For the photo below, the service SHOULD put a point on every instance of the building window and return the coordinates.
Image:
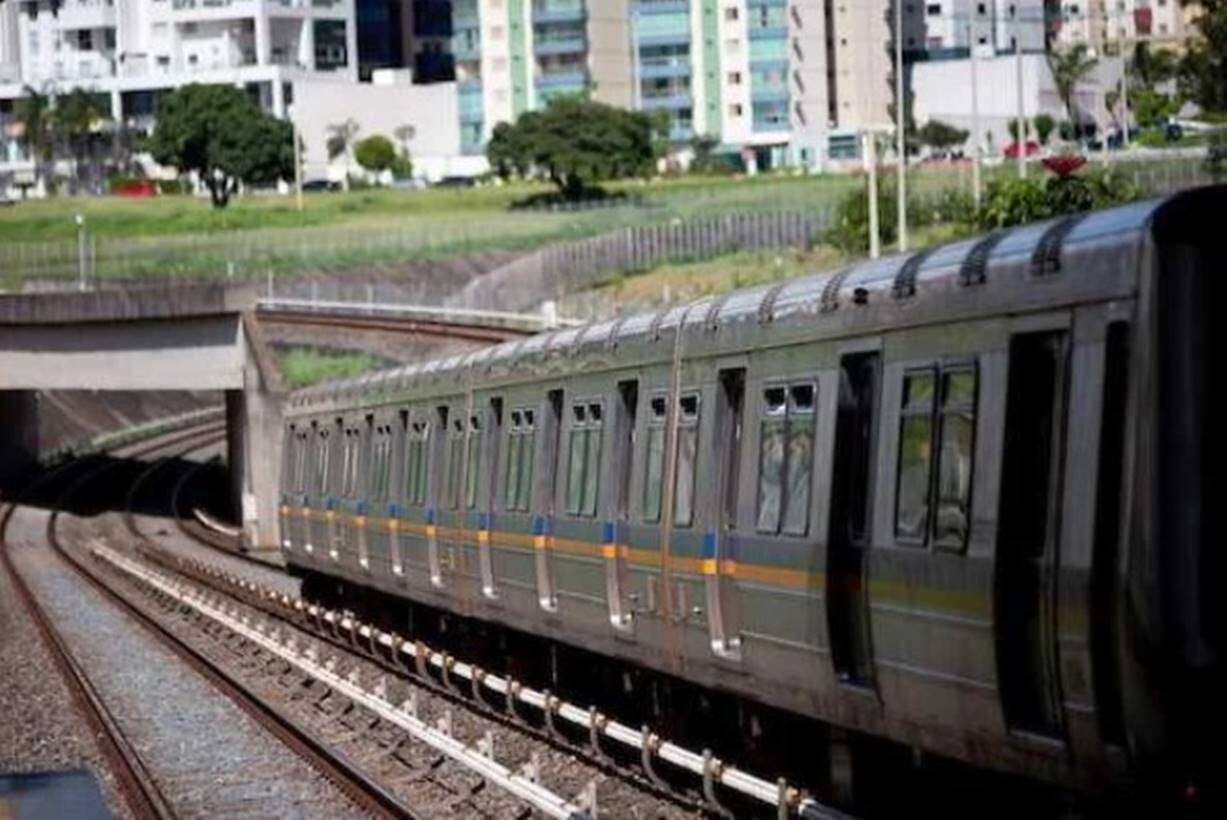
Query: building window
(734, 78)
(933, 9)
(732, 13)
(735, 110)
(786, 459)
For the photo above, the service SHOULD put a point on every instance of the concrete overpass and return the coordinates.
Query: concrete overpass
(200, 337)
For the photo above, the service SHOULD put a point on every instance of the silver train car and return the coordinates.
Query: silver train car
(955, 499)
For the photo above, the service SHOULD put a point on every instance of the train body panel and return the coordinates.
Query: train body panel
(910, 498)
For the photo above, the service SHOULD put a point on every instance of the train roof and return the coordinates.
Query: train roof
(1043, 247)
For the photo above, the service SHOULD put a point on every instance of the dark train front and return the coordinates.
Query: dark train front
(951, 505)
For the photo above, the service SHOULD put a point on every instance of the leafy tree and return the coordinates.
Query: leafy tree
(1203, 70)
(37, 129)
(219, 133)
(1044, 125)
(941, 136)
(1152, 108)
(376, 153)
(78, 117)
(574, 143)
(1152, 67)
(1070, 67)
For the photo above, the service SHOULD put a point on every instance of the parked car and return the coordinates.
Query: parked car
(456, 182)
(1032, 149)
(321, 185)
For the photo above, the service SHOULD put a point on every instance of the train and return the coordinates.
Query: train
(954, 499)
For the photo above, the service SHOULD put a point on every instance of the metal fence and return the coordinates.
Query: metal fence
(555, 271)
(93, 261)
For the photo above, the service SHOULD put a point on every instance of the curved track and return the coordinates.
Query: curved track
(137, 786)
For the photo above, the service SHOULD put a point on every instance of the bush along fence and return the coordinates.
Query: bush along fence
(555, 271)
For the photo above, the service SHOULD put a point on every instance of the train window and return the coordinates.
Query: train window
(417, 462)
(936, 439)
(584, 459)
(472, 462)
(771, 460)
(915, 455)
(521, 438)
(686, 455)
(957, 427)
(786, 459)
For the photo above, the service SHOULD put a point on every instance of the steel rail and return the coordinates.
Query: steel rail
(414, 658)
(404, 717)
(367, 794)
(135, 783)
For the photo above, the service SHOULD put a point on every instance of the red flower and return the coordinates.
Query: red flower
(1065, 164)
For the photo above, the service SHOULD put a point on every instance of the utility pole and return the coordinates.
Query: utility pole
(297, 164)
(900, 122)
(1124, 96)
(977, 138)
(871, 166)
(1021, 142)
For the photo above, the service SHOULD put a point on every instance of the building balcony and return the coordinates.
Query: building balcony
(768, 32)
(769, 95)
(544, 47)
(562, 79)
(656, 67)
(655, 102)
(86, 14)
(646, 7)
(681, 132)
(559, 11)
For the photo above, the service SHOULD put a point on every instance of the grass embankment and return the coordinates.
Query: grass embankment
(686, 281)
(305, 366)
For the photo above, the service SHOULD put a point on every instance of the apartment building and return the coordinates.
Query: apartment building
(134, 49)
(1105, 24)
(748, 73)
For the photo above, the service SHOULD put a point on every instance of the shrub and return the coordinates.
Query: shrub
(376, 153)
(1010, 202)
(1044, 125)
(1216, 155)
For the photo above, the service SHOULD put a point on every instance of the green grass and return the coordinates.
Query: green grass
(263, 235)
(305, 366)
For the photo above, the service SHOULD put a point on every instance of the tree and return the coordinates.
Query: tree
(574, 143)
(217, 132)
(1070, 67)
(37, 129)
(941, 136)
(1203, 70)
(79, 115)
(375, 153)
(341, 137)
(1152, 67)
(1044, 125)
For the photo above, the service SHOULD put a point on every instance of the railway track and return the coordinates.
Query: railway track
(586, 733)
(138, 787)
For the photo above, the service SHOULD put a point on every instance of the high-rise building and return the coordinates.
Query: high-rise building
(135, 49)
(383, 34)
(749, 74)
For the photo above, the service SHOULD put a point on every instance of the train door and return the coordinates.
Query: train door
(543, 521)
(485, 521)
(723, 620)
(851, 483)
(622, 460)
(1028, 522)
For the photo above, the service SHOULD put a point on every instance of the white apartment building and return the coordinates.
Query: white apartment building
(132, 49)
(1106, 23)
